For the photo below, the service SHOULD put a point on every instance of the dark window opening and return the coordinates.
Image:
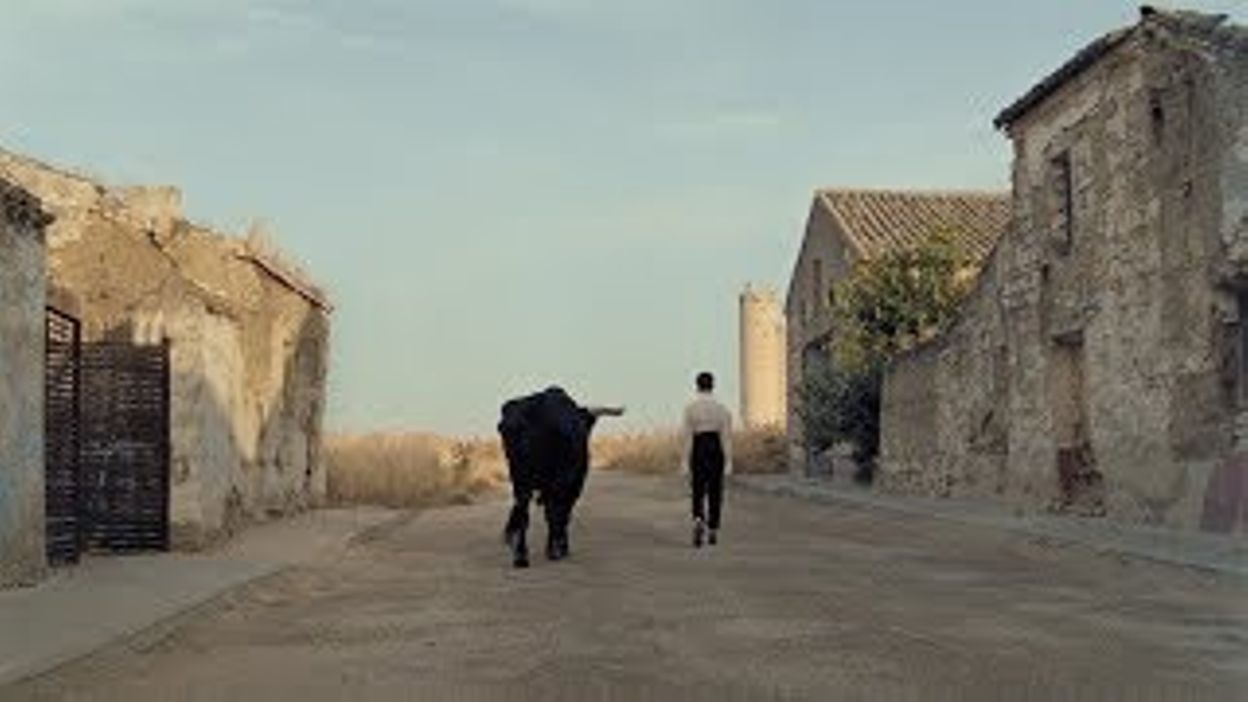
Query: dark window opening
(814, 358)
(817, 284)
(1063, 203)
(1241, 348)
(1157, 112)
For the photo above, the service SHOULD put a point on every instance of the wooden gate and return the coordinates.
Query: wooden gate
(125, 446)
(106, 444)
(62, 438)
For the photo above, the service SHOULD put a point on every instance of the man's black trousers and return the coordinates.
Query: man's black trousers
(706, 472)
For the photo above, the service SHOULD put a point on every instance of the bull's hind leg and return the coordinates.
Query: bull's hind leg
(556, 527)
(567, 490)
(516, 530)
(559, 510)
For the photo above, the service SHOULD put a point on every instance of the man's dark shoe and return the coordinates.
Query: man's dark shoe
(712, 537)
(557, 548)
(699, 530)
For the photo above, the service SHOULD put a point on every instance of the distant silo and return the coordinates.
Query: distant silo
(762, 359)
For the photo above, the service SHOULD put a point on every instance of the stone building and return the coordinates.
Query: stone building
(847, 226)
(761, 359)
(22, 271)
(1101, 366)
(247, 332)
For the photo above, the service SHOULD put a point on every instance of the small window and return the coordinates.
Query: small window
(1157, 116)
(1061, 188)
(1241, 348)
(816, 284)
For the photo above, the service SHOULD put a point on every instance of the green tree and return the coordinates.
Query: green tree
(891, 302)
(888, 304)
(841, 404)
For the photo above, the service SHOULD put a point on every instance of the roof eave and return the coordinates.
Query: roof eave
(308, 292)
(846, 233)
(1074, 67)
(21, 207)
(1191, 23)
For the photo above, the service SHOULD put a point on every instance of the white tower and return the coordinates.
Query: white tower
(762, 359)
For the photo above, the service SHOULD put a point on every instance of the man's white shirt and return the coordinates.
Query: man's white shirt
(705, 414)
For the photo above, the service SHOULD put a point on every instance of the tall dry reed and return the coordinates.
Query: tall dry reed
(410, 469)
(656, 453)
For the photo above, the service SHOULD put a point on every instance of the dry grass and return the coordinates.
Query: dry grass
(411, 469)
(650, 453)
(420, 470)
(656, 453)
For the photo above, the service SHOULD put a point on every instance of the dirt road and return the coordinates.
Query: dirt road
(799, 601)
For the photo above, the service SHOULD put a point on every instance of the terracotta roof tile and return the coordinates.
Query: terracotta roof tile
(880, 221)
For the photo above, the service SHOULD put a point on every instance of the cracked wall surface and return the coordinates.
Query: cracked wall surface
(1099, 367)
(248, 340)
(22, 265)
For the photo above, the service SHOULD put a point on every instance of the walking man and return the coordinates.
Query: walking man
(706, 456)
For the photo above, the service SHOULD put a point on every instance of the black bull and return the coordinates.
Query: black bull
(546, 440)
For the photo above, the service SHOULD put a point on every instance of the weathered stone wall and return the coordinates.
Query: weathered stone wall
(1223, 503)
(1108, 343)
(944, 415)
(22, 267)
(248, 339)
(910, 429)
(808, 318)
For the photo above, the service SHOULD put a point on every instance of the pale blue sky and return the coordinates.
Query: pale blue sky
(500, 194)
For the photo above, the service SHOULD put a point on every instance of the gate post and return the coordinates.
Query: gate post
(64, 508)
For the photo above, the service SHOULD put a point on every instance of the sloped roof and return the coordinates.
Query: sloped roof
(1190, 24)
(881, 221)
(293, 279)
(266, 256)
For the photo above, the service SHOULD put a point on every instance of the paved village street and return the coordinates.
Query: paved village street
(800, 601)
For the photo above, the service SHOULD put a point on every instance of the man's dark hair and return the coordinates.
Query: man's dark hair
(706, 381)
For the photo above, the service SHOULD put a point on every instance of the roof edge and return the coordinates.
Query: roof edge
(1077, 65)
(67, 172)
(288, 279)
(921, 192)
(847, 236)
(21, 207)
(1099, 48)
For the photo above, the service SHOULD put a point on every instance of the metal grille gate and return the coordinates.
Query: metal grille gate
(63, 438)
(107, 450)
(125, 446)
